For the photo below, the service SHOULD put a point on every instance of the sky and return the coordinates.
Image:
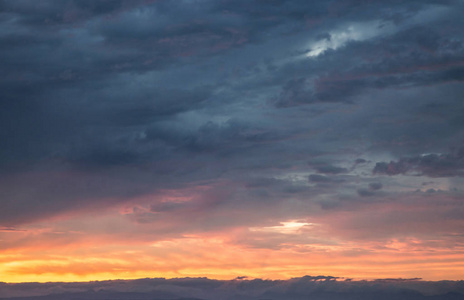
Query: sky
(225, 138)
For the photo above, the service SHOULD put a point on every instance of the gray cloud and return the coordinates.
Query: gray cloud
(432, 165)
(365, 192)
(327, 168)
(375, 186)
(319, 178)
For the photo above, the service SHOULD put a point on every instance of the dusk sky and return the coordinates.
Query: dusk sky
(223, 138)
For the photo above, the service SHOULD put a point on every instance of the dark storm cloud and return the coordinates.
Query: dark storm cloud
(432, 165)
(113, 99)
(419, 56)
(49, 13)
(314, 287)
(231, 136)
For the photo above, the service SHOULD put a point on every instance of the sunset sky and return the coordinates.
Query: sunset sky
(224, 138)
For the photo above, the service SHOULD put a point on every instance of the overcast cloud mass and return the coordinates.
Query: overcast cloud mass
(266, 138)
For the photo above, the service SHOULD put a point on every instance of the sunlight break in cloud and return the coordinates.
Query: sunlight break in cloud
(289, 227)
(352, 32)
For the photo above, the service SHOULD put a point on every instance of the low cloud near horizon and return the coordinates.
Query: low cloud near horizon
(315, 287)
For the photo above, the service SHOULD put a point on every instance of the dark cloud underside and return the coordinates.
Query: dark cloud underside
(261, 111)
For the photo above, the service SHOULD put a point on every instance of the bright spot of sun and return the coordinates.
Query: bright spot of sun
(289, 227)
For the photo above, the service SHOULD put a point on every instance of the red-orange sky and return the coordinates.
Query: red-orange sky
(268, 139)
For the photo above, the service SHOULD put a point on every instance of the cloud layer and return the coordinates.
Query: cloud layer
(316, 287)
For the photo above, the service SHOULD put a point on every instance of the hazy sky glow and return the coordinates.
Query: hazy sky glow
(224, 138)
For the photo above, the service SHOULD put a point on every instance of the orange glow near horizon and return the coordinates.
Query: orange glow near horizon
(217, 257)
(113, 245)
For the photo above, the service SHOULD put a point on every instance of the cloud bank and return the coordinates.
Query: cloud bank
(315, 287)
